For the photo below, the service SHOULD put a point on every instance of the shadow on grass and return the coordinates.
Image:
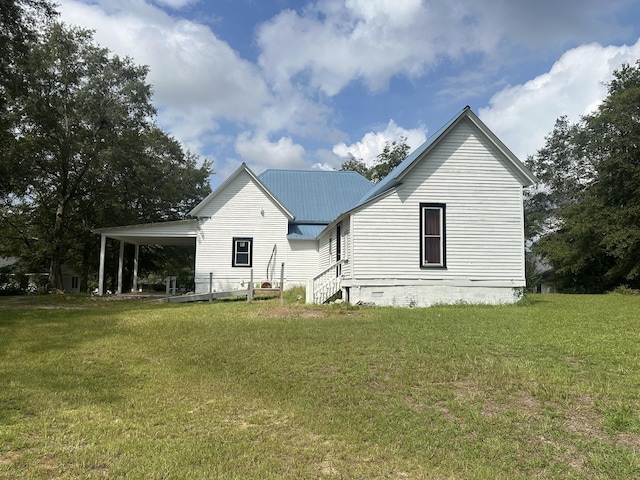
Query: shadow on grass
(58, 356)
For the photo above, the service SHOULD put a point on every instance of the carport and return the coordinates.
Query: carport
(182, 232)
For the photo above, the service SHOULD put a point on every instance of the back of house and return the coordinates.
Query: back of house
(253, 224)
(445, 226)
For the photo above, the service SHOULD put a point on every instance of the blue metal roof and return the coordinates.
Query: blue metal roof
(316, 196)
(305, 232)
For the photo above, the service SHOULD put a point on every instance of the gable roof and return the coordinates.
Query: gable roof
(241, 169)
(397, 174)
(316, 196)
(312, 199)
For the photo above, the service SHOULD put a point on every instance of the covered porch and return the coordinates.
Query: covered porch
(182, 232)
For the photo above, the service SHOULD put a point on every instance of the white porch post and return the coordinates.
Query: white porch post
(103, 248)
(120, 267)
(135, 268)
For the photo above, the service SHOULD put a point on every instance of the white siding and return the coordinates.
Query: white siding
(346, 248)
(327, 249)
(242, 209)
(328, 245)
(302, 261)
(484, 220)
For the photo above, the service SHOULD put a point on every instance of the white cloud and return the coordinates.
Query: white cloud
(523, 115)
(175, 4)
(373, 143)
(331, 43)
(260, 153)
(334, 43)
(197, 78)
(205, 89)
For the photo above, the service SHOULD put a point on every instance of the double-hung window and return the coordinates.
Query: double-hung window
(242, 251)
(432, 235)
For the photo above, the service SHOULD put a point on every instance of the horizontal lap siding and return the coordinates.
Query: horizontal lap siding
(327, 249)
(484, 220)
(346, 248)
(243, 210)
(302, 261)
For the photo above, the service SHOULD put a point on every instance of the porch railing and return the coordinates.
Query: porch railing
(326, 284)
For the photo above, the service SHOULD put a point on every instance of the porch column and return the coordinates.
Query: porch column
(135, 268)
(120, 267)
(103, 247)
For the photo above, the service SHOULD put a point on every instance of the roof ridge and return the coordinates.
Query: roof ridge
(309, 170)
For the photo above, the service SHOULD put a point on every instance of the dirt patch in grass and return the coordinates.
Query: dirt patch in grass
(304, 312)
(629, 440)
(9, 458)
(584, 420)
(327, 468)
(581, 419)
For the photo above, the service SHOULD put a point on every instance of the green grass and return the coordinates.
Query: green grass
(111, 389)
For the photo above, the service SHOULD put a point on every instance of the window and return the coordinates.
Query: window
(242, 252)
(432, 235)
(75, 282)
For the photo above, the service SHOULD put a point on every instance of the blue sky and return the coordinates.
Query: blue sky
(304, 84)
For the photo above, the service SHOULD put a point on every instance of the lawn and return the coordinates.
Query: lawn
(127, 389)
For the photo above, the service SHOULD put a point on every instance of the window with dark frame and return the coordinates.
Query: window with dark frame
(432, 235)
(242, 252)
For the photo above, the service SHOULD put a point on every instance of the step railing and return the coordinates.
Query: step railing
(271, 266)
(326, 284)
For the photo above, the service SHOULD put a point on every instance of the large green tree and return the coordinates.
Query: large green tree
(85, 131)
(391, 156)
(586, 210)
(564, 169)
(19, 23)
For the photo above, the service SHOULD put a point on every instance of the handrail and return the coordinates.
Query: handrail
(272, 260)
(320, 288)
(328, 269)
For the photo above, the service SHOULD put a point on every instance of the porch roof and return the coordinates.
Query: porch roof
(181, 232)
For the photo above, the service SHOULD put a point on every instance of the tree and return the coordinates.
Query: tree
(85, 131)
(19, 20)
(391, 156)
(615, 133)
(564, 169)
(356, 165)
(587, 210)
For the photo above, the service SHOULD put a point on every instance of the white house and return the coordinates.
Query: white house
(445, 226)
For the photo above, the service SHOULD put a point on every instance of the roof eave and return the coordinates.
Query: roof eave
(523, 172)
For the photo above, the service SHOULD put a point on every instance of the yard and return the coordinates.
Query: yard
(126, 389)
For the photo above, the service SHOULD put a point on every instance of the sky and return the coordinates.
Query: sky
(302, 84)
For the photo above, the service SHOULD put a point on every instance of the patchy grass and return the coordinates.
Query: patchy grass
(94, 389)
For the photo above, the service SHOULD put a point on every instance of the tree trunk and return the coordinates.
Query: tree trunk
(55, 272)
(84, 266)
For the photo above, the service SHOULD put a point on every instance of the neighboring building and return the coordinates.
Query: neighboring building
(70, 278)
(542, 274)
(445, 226)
